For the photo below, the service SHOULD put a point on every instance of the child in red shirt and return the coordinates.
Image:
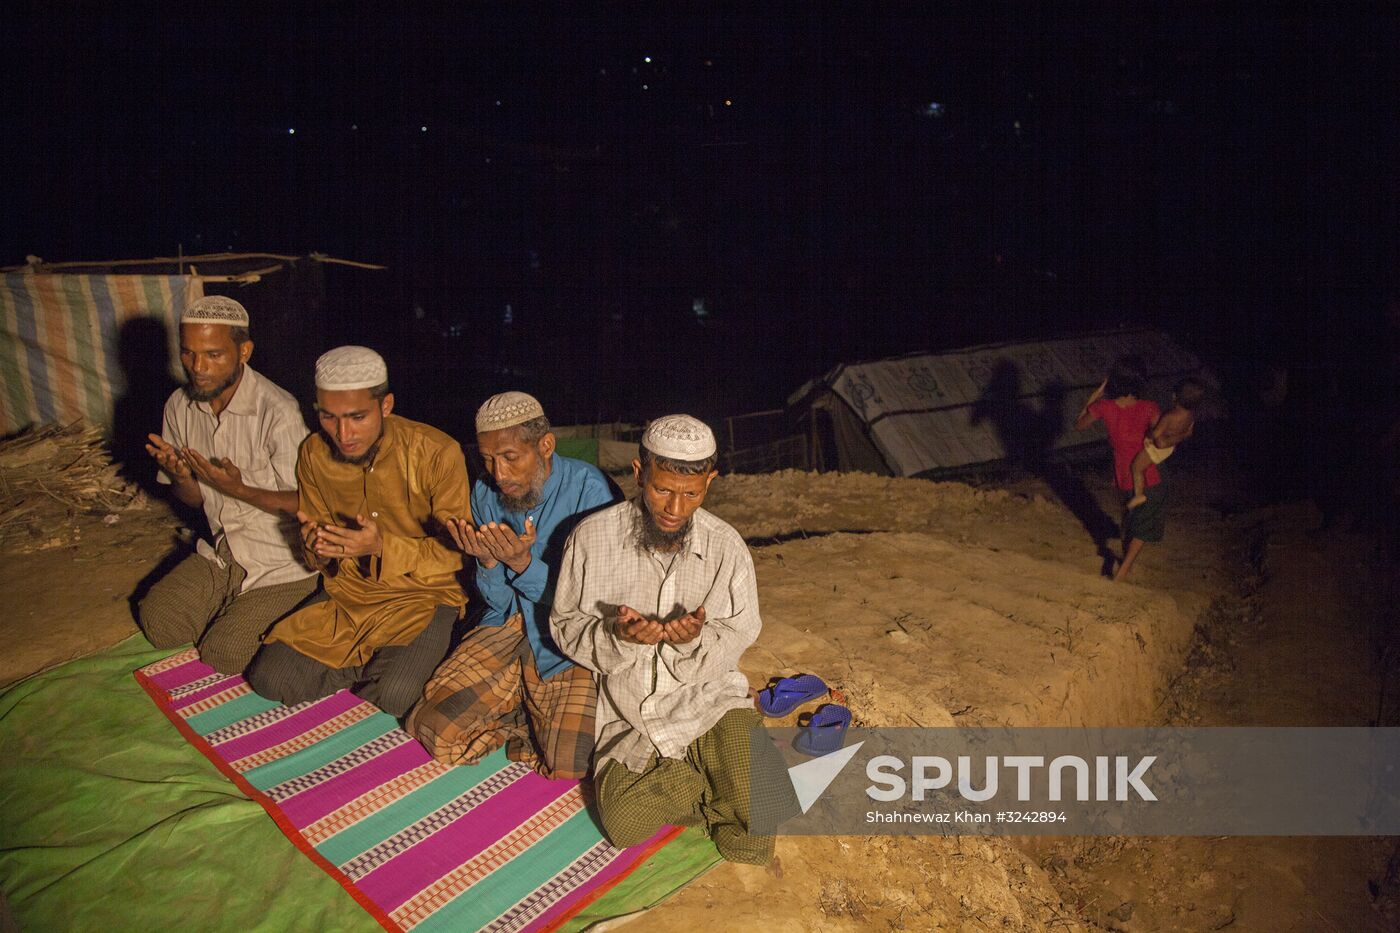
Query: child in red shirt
(1127, 419)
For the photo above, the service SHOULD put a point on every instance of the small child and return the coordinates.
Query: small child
(1171, 429)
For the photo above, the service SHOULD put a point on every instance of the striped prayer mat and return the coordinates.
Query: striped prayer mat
(420, 845)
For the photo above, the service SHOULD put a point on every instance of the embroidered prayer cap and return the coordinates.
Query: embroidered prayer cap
(215, 309)
(506, 411)
(679, 437)
(350, 368)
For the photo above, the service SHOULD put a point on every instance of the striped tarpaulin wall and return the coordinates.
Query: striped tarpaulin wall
(59, 340)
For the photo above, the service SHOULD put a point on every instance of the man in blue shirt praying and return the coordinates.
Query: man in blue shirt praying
(508, 683)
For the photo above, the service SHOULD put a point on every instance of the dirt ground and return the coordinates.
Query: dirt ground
(939, 603)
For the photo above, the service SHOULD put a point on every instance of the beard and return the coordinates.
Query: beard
(527, 500)
(365, 457)
(649, 536)
(206, 395)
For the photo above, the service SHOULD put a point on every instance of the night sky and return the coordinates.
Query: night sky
(831, 182)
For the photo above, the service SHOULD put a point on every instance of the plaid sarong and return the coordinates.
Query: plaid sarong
(488, 693)
(711, 785)
(201, 602)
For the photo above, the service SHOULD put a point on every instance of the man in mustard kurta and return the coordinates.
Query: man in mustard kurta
(375, 493)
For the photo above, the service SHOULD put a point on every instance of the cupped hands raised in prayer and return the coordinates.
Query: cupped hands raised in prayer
(631, 625)
(494, 542)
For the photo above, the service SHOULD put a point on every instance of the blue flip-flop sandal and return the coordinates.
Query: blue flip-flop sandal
(825, 732)
(789, 693)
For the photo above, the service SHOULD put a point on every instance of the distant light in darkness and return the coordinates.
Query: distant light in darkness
(728, 102)
(423, 129)
(647, 59)
(933, 109)
(291, 131)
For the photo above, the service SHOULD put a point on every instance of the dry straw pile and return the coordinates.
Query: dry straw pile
(54, 477)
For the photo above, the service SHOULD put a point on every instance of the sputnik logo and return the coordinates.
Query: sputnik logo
(811, 778)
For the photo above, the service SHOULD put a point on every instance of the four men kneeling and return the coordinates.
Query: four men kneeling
(610, 632)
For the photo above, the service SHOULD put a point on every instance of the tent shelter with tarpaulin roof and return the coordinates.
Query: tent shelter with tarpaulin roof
(932, 413)
(93, 340)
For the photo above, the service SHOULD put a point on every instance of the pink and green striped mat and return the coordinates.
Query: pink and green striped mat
(420, 845)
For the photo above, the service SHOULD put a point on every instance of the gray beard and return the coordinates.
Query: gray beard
(528, 501)
(214, 393)
(520, 503)
(649, 536)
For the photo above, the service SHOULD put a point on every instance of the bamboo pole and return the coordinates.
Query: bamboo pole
(180, 259)
(246, 278)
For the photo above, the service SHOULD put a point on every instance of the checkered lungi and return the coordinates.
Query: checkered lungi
(204, 602)
(488, 693)
(713, 784)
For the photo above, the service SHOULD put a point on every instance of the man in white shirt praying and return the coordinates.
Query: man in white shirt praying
(229, 445)
(658, 598)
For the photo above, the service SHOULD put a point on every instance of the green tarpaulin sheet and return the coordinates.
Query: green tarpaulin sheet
(109, 820)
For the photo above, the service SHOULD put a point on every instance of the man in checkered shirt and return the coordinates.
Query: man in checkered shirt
(228, 445)
(657, 597)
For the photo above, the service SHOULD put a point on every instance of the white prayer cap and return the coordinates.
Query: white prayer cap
(679, 437)
(215, 309)
(506, 411)
(350, 368)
